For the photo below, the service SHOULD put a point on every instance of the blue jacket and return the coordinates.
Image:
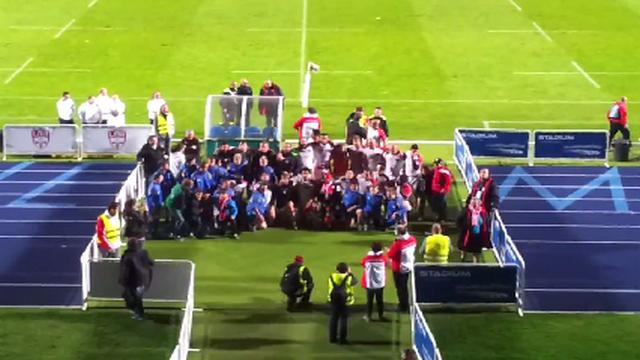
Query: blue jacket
(155, 199)
(269, 171)
(168, 182)
(350, 198)
(230, 211)
(217, 173)
(373, 203)
(237, 170)
(258, 201)
(396, 206)
(186, 171)
(202, 180)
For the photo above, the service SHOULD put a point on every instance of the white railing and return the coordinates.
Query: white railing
(181, 351)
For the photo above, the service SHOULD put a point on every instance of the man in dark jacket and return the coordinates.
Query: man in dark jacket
(354, 125)
(269, 107)
(151, 156)
(485, 189)
(136, 273)
(297, 282)
(245, 90)
(192, 146)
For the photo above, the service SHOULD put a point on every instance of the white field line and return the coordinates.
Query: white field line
(308, 29)
(18, 71)
(585, 74)
(65, 28)
(73, 28)
(202, 99)
(486, 124)
(48, 70)
(538, 122)
(303, 43)
(524, 31)
(515, 5)
(544, 73)
(579, 242)
(92, 3)
(338, 72)
(542, 32)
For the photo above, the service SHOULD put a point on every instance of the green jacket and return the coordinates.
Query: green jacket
(176, 191)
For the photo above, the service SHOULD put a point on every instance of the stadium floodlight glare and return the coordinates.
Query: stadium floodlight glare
(306, 85)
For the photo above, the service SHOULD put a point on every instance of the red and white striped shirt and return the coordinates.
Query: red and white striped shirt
(375, 270)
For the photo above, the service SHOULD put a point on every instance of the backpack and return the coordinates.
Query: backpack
(290, 281)
(338, 294)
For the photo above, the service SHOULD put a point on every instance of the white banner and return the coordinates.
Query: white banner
(40, 140)
(104, 139)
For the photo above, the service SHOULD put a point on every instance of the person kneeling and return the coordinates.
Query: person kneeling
(297, 283)
(227, 215)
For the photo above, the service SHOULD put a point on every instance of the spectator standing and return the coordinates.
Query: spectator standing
(155, 202)
(66, 108)
(246, 91)
(374, 280)
(108, 232)
(176, 204)
(402, 255)
(394, 160)
(165, 127)
(413, 164)
(89, 112)
(151, 156)
(440, 188)
(341, 297)
(485, 189)
(229, 104)
(474, 230)
(297, 283)
(339, 160)
(136, 274)
(283, 194)
(617, 116)
(118, 108)
(286, 161)
(308, 124)
(135, 220)
(437, 246)
(377, 114)
(153, 107)
(269, 106)
(355, 125)
(177, 159)
(104, 103)
(192, 145)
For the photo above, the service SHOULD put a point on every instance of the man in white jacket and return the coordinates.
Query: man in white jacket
(104, 103)
(153, 106)
(118, 108)
(89, 112)
(374, 279)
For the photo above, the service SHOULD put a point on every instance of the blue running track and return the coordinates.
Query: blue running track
(47, 218)
(578, 231)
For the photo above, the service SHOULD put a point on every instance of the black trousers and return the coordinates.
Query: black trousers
(379, 298)
(439, 206)
(133, 299)
(228, 226)
(65, 122)
(614, 128)
(338, 323)
(165, 142)
(292, 299)
(402, 288)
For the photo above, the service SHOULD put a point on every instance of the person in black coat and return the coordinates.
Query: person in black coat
(297, 282)
(485, 189)
(136, 274)
(151, 156)
(135, 221)
(192, 145)
(245, 90)
(269, 107)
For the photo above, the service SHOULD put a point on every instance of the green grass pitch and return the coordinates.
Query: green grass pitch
(433, 65)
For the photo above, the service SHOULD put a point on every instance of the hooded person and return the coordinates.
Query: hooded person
(136, 274)
(297, 283)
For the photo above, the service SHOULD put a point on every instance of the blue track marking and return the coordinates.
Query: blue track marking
(22, 200)
(577, 229)
(14, 170)
(47, 217)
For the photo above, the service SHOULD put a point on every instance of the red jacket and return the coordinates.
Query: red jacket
(306, 124)
(442, 180)
(402, 254)
(375, 265)
(618, 113)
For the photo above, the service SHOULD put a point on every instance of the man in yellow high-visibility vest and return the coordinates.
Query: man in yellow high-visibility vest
(165, 127)
(341, 296)
(437, 246)
(108, 229)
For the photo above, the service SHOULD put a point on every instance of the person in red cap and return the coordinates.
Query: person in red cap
(617, 116)
(297, 282)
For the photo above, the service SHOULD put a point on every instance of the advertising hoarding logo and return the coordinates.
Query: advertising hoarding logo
(41, 137)
(117, 138)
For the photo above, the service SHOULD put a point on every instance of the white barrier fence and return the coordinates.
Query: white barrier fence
(40, 140)
(71, 140)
